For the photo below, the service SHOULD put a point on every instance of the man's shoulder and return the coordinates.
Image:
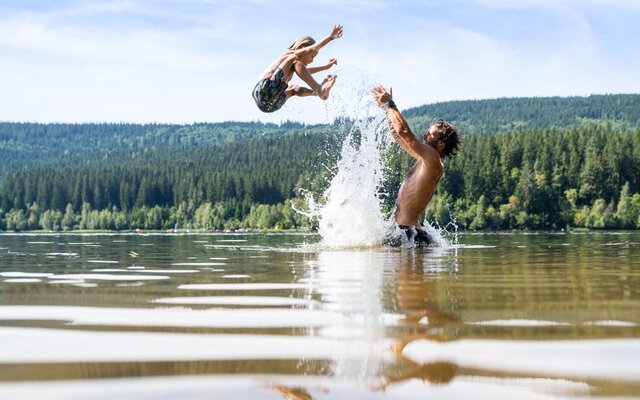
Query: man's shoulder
(431, 159)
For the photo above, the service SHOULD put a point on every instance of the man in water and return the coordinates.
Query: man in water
(440, 140)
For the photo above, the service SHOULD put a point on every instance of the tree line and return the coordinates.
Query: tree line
(539, 163)
(526, 113)
(544, 179)
(244, 184)
(33, 145)
(550, 178)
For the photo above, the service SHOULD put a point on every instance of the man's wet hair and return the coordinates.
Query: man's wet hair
(449, 134)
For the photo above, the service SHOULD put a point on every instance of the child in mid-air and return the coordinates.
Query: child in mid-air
(273, 89)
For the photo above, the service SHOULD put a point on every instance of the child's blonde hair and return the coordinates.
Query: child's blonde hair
(302, 42)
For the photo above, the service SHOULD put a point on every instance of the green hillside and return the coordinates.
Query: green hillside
(29, 145)
(506, 114)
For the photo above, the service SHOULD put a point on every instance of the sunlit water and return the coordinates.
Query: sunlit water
(331, 316)
(259, 316)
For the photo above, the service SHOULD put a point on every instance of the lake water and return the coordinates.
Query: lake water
(278, 316)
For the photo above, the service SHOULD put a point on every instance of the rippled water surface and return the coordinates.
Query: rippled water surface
(259, 316)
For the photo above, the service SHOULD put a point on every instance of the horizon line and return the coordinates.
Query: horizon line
(254, 121)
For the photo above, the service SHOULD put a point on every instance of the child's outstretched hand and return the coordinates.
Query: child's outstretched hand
(336, 32)
(332, 62)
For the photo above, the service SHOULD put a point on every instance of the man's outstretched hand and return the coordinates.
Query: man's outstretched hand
(381, 95)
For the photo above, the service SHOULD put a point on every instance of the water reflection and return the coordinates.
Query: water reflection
(509, 315)
(350, 282)
(446, 340)
(416, 275)
(442, 337)
(293, 393)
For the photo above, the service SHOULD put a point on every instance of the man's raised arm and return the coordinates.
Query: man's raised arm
(398, 126)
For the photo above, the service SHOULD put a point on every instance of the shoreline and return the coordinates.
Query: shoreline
(298, 231)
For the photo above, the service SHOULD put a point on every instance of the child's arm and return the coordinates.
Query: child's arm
(336, 33)
(332, 62)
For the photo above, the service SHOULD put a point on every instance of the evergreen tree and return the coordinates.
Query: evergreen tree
(626, 212)
(69, 219)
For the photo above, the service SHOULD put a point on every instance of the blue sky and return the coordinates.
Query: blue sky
(185, 61)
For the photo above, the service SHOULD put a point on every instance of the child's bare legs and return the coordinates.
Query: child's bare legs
(327, 84)
(297, 90)
(301, 91)
(322, 90)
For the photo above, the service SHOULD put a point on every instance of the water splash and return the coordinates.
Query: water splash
(446, 236)
(351, 215)
(349, 212)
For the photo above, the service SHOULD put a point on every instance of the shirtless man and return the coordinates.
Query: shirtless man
(440, 140)
(273, 88)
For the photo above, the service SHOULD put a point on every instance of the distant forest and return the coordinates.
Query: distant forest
(525, 113)
(534, 163)
(29, 145)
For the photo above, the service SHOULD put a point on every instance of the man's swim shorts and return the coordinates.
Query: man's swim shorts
(418, 236)
(269, 94)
